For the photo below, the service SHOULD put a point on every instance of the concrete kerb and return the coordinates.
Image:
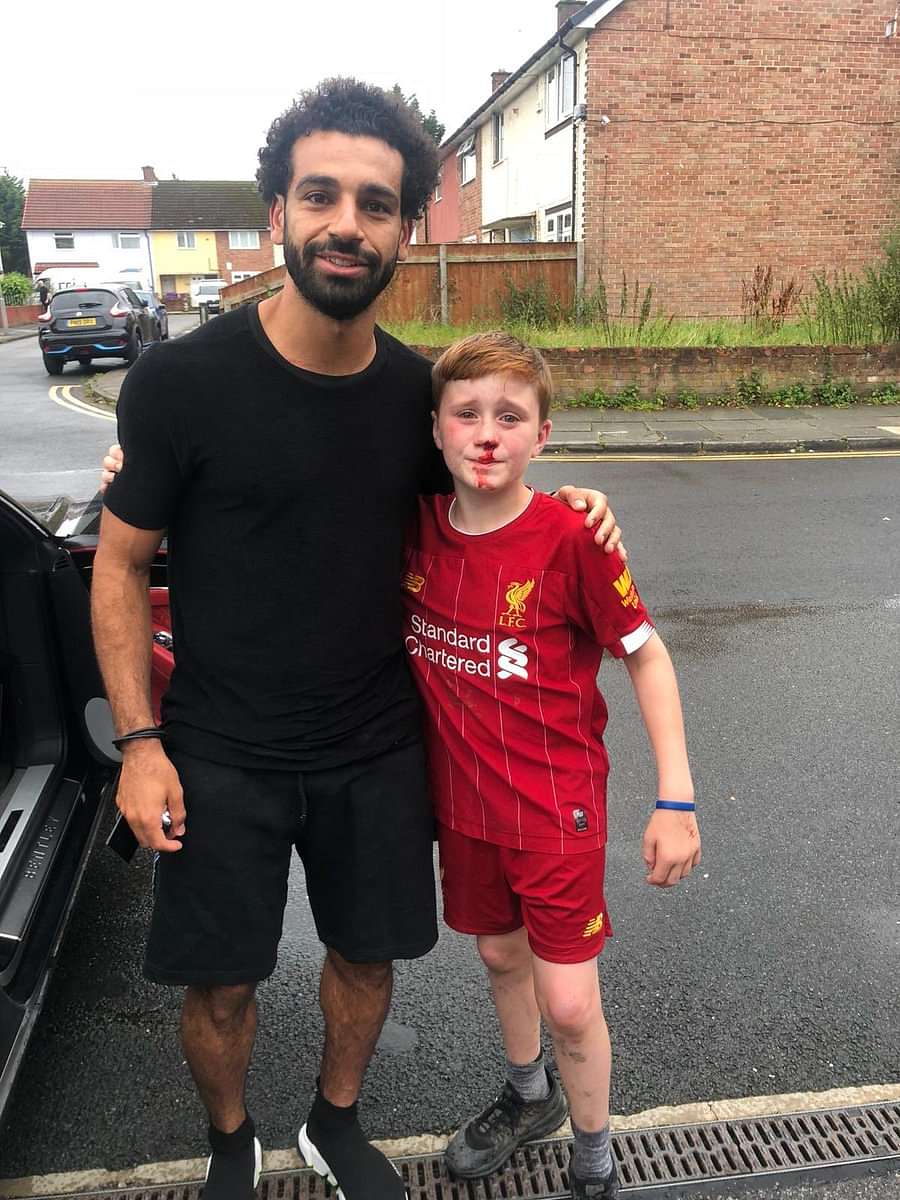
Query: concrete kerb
(105, 389)
(16, 334)
(103, 393)
(151, 1175)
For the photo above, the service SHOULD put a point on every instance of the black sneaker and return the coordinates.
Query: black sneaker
(604, 1189)
(233, 1176)
(365, 1171)
(487, 1141)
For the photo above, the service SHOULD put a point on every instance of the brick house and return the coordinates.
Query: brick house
(685, 142)
(208, 229)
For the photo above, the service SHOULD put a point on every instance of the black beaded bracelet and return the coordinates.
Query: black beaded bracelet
(152, 731)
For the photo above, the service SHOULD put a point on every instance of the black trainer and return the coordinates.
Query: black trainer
(233, 1174)
(354, 1167)
(603, 1189)
(487, 1141)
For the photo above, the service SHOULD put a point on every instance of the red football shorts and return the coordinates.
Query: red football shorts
(559, 898)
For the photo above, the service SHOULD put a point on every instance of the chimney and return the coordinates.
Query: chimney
(498, 78)
(566, 9)
(149, 175)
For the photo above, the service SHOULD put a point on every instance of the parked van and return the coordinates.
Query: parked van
(205, 296)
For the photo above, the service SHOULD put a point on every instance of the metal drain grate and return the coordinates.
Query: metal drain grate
(654, 1164)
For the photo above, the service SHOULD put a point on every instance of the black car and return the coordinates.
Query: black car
(56, 755)
(158, 311)
(99, 322)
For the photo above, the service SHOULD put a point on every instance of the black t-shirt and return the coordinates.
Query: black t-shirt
(286, 496)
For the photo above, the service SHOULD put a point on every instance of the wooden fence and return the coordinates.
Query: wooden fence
(455, 282)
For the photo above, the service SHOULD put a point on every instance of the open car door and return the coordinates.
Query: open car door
(56, 759)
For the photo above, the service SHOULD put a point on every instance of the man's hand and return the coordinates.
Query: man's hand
(112, 465)
(608, 534)
(671, 846)
(148, 785)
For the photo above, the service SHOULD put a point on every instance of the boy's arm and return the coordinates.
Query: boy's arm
(671, 843)
(594, 504)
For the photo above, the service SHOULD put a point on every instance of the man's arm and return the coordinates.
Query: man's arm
(120, 611)
(595, 505)
(671, 843)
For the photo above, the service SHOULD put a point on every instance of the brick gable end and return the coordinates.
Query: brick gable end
(740, 133)
(243, 260)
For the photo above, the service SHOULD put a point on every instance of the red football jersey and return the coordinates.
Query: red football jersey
(505, 632)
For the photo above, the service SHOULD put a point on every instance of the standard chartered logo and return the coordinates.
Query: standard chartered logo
(465, 653)
(512, 659)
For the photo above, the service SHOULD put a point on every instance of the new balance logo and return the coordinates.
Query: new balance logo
(512, 660)
(593, 926)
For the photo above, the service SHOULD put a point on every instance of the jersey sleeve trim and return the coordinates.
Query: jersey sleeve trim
(637, 638)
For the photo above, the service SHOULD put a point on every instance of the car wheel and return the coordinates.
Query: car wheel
(159, 332)
(54, 365)
(135, 346)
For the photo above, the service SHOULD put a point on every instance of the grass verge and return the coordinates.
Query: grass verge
(748, 390)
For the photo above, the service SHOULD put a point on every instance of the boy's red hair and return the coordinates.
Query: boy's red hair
(494, 353)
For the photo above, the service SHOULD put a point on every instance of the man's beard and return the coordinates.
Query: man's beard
(341, 299)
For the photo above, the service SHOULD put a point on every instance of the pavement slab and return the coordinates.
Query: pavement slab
(704, 430)
(760, 428)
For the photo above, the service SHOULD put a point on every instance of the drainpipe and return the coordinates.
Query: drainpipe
(568, 49)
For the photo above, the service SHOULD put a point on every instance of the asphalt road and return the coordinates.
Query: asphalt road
(46, 449)
(775, 585)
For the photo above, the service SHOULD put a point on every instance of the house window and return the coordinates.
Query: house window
(243, 239)
(561, 90)
(185, 239)
(237, 276)
(466, 156)
(439, 186)
(64, 241)
(559, 226)
(127, 241)
(497, 131)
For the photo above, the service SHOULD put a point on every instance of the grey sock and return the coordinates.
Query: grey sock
(530, 1081)
(591, 1155)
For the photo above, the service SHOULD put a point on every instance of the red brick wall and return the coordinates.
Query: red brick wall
(712, 371)
(469, 197)
(22, 314)
(243, 260)
(741, 132)
(443, 214)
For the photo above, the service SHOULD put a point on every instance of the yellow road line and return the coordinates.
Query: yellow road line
(61, 394)
(712, 457)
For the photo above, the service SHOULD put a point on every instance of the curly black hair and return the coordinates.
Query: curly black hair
(350, 106)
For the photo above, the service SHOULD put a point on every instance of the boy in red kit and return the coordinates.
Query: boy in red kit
(509, 611)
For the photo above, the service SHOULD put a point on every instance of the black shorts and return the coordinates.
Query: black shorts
(363, 831)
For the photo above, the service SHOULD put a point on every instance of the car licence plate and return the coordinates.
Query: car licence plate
(81, 321)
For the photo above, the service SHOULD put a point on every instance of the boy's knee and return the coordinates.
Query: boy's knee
(503, 954)
(570, 1013)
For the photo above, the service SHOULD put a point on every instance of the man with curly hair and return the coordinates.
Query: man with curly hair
(281, 447)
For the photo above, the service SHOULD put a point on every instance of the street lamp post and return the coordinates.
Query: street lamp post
(4, 319)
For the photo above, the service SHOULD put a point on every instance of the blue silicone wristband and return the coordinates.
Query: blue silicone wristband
(678, 805)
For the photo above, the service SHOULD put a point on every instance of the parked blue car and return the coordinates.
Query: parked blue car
(158, 311)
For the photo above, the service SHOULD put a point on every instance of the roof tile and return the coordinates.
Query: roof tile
(87, 204)
(208, 204)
